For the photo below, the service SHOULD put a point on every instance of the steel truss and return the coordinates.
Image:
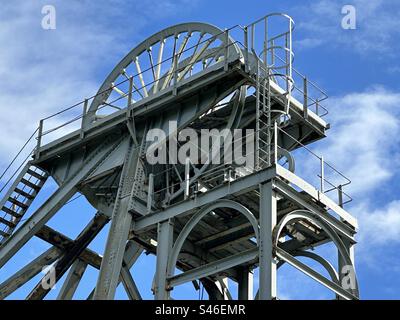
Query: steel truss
(213, 223)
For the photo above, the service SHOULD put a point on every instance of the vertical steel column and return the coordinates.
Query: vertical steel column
(246, 46)
(268, 217)
(187, 179)
(164, 246)
(111, 264)
(226, 53)
(245, 288)
(349, 246)
(150, 193)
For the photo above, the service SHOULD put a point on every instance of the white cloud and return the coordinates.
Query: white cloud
(377, 26)
(43, 71)
(363, 143)
(364, 137)
(380, 226)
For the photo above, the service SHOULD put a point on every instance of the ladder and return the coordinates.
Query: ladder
(19, 197)
(263, 124)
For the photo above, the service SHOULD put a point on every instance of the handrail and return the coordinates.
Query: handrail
(137, 90)
(18, 153)
(322, 175)
(76, 118)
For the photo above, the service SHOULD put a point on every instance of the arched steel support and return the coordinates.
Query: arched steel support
(168, 253)
(194, 220)
(323, 262)
(342, 250)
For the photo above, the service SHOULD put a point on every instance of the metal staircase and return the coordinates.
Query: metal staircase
(19, 197)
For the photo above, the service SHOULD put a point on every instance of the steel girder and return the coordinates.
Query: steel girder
(267, 253)
(119, 231)
(70, 255)
(55, 202)
(195, 220)
(333, 236)
(237, 187)
(167, 251)
(28, 272)
(71, 283)
(268, 220)
(60, 245)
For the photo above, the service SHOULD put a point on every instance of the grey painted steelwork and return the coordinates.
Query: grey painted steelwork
(212, 222)
(72, 281)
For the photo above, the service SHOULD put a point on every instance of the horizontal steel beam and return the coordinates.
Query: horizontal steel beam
(236, 187)
(213, 267)
(153, 105)
(62, 242)
(289, 193)
(318, 195)
(222, 234)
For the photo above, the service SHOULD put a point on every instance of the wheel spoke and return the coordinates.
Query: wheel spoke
(149, 50)
(159, 60)
(140, 74)
(120, 92)
(176, 57)
(194, 49)
(194, 59)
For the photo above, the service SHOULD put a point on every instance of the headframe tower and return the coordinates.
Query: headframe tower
(210, 221)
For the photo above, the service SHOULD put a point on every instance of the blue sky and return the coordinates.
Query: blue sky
(44, 71)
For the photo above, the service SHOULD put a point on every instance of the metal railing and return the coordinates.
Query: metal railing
(279, 66)
(266, 52)
(329, 179)
(80, 110)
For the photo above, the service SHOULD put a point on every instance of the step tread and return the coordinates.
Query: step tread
(4, 234)
(24, 193)
(30, 184)
(11, 212)
(7, 222)
(36, 174)
(18, 203)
